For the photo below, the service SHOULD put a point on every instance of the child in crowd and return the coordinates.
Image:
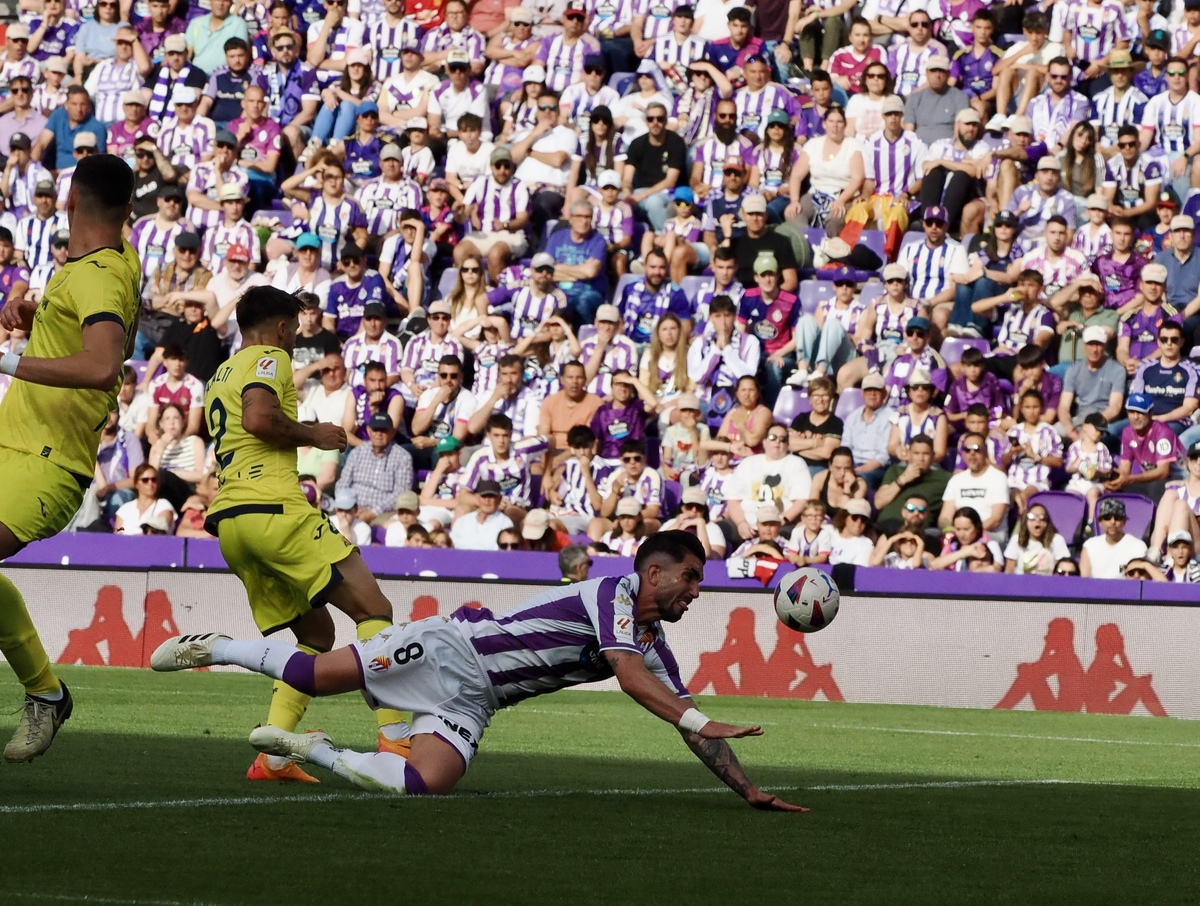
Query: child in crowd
(976, 385)
(905, 550)
(573, 488)
(1089, 462)
(1094, 238)
(683, 227)
(977, 423)
(713, 478)
(441, 490)
(630, 531)
(416, 160)
(812, 539)
(682, 443)
(1034, 449)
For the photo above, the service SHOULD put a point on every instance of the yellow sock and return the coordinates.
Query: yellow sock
(288, 705)
(365, 630)
(20, 643)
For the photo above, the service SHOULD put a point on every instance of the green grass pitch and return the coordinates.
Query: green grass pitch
(584, 798)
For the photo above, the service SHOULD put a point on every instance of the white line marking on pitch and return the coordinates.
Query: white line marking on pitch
(237, 801)
(115, 901)
(1087, 739)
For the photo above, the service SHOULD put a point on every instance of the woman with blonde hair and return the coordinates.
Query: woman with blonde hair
(663, 367)
(468, 300)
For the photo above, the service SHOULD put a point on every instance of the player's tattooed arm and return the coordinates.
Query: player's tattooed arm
(263, 417)
(718, 757)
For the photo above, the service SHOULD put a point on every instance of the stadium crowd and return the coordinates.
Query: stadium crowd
(912, 283)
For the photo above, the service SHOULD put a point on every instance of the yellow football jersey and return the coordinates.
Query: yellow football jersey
(63, 425)
(252, 473)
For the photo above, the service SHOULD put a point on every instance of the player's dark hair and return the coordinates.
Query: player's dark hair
(722, 304)
(673, 544)
(261, 304)
(507, 361)
(498, 420)
(580, 436)
(103, 181)
(921, 439)
(1030, 355)
(450, 360)
(633, 446)
(374, 366)
(977, 409)
(175, 351)
(972, 356)
(471, 122)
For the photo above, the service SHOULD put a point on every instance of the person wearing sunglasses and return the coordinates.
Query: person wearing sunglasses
(980, 487)
(580, 98)
(633, 481)
(1104, 555)
(1161, 375)
(543, 163)
(1055, 109)
(293, 97)
(23, 118)
(1167, 120)
(146, 505)
(917, 354)
(654, 164)
(497, 210)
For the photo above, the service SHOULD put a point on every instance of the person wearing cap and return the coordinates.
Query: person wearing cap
(36, 230)
(1165, 130)
(408, 504)
(1171, 381)
(497, 209)
(1080, 305)
(771, 313)
(952, 169)
(1182, 262)
(372, 343)
(40, 276)
(1138, 338)
(404, 94)
(1156, 45)
(234, 277)
(723, 225)
(1105, 555)
(762, 239)
(932, 113)
(207, 34)
(934, 265)
(222, 97)
(24, 118)
(1149, 450)
(1178, 563)
(21, 176)
(210, 178)
(133, 123)
(188, 139)
(607, 351)
(230, 231)
(695, 517)
(346, 519)
(444, 492)
(1121, 102)
(478, 530)
(378, 470)
(674, 51)
(580, 98)
(459, 94)
(354, 288)
(65, 123)
(17, 59)
(173, 284)
(383, 198)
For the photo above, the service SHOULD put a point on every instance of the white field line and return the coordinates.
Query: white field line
(1082, 739)
(102, 901)
(348, 796)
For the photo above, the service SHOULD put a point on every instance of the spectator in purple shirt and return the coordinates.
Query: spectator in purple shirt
(1148, 451)
(623, 415)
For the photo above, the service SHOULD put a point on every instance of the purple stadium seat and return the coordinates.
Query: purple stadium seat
(581, 538)
(953, 347)
(378, 534)
(815, 235)
(446, 285)
(691, 287)
(871, 292)
(909, 239)
(625, 280)
(139, 368)
(874, 240)
(620, 81)
(672, 495)
(1139, 512)
(1067, 511)
(812, 292)
(848, 401)
(792, 401)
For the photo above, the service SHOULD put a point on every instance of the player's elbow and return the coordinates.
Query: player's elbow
(104, 375)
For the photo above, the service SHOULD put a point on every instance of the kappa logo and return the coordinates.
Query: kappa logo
(266, 367)
(379, 663)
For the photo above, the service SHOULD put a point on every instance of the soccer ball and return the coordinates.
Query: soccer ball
(806, 600)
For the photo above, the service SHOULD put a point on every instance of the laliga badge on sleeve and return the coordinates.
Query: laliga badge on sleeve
(266, 368)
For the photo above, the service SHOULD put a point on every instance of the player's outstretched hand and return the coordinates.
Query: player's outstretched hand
(769, 802)
(17, 314)
(327, 436)
(714, 729)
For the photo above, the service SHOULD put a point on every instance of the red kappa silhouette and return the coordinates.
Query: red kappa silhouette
(110, 628)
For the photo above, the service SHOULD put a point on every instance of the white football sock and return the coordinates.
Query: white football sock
(260, 656)
(382, 771)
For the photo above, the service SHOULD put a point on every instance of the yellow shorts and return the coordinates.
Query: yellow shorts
(41, 498)
(285, 560)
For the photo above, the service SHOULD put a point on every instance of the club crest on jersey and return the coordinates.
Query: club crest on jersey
(266, 367)
(379, 663)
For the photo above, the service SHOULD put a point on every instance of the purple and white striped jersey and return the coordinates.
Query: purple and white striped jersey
(907, 64)
(847, 317)
(716, 370)
(674, 57)
(359, 350)
(771, 165)
(610, 15)
(526, 308)
(1052, 119)
(34, 236)
(1024, 471)
(930, 268)
(347, 37)
(889, 325)
(27, 67)
(1056, 271)
(156, 244)
(894, 166)
(620, 355)
(753, 107)
(1095, 28)
(658, 15)
(690, 227)
(581, 103)
(22, 185)
(45, 98)
(449, 103)
(502, 75)
(62, 186)
(1181, 37)
(399, 92)
(1174, 122)
(164, 87)
(713, 483)
(622, 545)
(1092, 242)
(498, 202)
(1079, 460)
(712, 154)
(572, 488)
(699, 109)
(554, 640)
(219, 238)
(1019, 327)
(1111, 114)
(387, 39)
(708, 291)
(423, 353)
(441, 38)
(614, 224)
(563, 61)
(184, 146)
(204, 179)
(647, 490)
(382, 201)
(911, 424)
(487, 367)
(524, 409)
(332, 223)
(107, 82)
(416, 162)
(512, 474)
(1041, 208)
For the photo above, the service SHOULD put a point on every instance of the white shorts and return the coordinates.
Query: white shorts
(428, 667)
(516, 242)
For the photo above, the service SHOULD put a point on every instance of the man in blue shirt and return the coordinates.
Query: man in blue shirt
(581, 257)
(1182, 262)
(65, 123)
(645, 301)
